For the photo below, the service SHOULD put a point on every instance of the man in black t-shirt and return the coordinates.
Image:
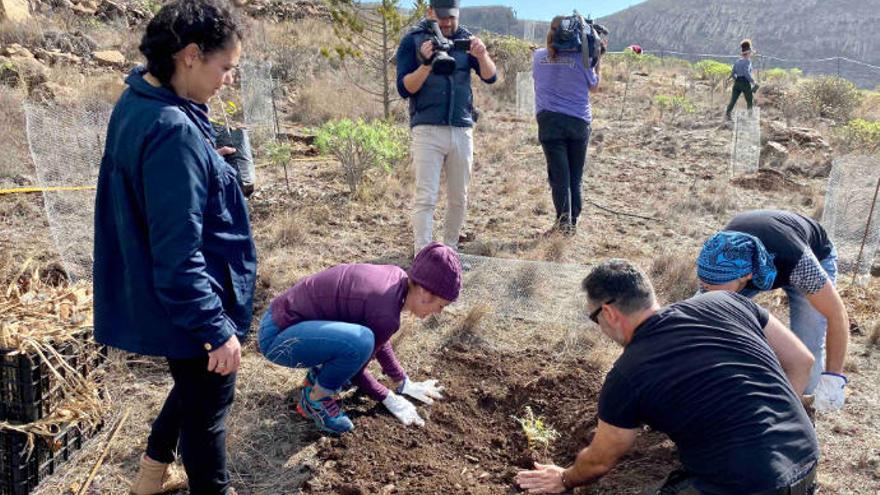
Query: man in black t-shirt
(763, 250)
(717, 373)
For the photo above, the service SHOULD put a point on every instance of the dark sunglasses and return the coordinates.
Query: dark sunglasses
(594, 316)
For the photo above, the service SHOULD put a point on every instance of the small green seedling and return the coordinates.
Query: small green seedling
(538, 434)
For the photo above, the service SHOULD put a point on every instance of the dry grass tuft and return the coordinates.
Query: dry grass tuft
(15, 159)
(874, 335)
(555, 248)
(674, 276)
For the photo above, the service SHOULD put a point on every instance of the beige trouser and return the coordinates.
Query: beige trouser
(433, 147)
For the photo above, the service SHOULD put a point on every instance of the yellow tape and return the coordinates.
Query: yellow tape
(45, 189)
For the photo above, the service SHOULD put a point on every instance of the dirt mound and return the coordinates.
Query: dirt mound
(472, 443)
(766, 179)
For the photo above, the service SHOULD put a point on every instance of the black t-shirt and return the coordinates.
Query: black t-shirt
(702, 372)
(798, 244)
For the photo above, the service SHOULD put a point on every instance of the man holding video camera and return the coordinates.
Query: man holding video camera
(434, 63)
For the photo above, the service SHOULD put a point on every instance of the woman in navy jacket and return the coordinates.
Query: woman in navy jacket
(175, 262)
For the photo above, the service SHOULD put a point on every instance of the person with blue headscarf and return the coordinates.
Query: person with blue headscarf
(763, 250)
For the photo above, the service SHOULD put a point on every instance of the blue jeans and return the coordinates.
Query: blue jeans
(340, 349)
(808, 324)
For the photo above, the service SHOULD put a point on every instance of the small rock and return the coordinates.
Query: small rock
(14, 10)
(14, 50)
(111, 58)
(773, 154)
(82, 10)
(471, 458)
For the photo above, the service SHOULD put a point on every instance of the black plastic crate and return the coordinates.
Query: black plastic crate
(22, 470)
(29, 390)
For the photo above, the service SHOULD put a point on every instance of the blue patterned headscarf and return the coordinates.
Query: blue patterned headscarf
(729, 255)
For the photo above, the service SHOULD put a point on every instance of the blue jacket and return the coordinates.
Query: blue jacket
(442, 100)
(175, 263)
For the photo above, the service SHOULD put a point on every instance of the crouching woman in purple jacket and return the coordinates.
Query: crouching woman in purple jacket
(336, 321)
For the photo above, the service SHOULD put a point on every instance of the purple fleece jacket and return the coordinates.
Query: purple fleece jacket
(363, 294)
(563, 85)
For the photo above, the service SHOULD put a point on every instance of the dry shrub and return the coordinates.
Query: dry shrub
(674, 276)
(15, 159)
(288, 230)
(511, 55)
(829, 97)
(465, 330)
(713, 198)
(331, 98)
(27, 33)
(874, 335)
(294, 48)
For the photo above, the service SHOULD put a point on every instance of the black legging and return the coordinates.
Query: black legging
(564, 139)
(193, 420)
(741, 85)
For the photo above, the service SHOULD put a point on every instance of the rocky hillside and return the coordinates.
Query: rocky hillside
(796, 29)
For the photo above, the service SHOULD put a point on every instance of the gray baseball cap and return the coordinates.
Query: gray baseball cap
(445, 8)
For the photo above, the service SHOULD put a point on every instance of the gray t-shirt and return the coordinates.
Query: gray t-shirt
(743, 69)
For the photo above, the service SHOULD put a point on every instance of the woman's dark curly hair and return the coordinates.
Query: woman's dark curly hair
(210, 24)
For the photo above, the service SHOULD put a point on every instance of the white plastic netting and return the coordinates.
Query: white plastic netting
(66, 145)
(257, 98)
(525, 94)
(848, 217)
(745, 150)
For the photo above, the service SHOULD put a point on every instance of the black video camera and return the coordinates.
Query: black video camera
(442, 63)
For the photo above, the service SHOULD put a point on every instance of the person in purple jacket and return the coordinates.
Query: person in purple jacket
(562, 102)
(336, 321)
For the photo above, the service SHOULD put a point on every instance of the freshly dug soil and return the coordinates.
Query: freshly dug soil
(471, 442)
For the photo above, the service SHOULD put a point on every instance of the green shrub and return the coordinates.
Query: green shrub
(674, 105)
(360, 145)
(712, 71)
(511, 55)
(861, 134)
(830, 97)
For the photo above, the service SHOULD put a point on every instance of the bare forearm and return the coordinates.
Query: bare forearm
(799, 377)
(487, 67)
(414, 80)
(836, 342)
(587, 467)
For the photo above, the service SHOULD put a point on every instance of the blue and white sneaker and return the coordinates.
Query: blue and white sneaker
(324, 412)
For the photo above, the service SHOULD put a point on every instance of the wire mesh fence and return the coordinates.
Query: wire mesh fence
(525, 94)
(745, 149)
(851, 216)
(534, 291)
(66, 145)
(510, 305)
(258, 100)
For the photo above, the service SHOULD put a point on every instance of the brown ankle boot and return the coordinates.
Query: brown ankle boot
(155, 478)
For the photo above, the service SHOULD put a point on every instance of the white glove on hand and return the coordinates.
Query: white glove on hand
(403, 410)
(829, 392)
(425, 391)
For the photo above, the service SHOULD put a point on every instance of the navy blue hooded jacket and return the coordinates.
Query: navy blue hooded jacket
(175, 262)
(442, 100)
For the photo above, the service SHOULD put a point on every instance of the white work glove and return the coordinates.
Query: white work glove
(425, 391)
(403, 409)
(829, 392)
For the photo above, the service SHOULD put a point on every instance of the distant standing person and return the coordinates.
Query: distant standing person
(442, 117)
(743, 82)
(563, 81)
(175, 263)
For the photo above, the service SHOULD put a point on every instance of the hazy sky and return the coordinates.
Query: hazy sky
(545, 10)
